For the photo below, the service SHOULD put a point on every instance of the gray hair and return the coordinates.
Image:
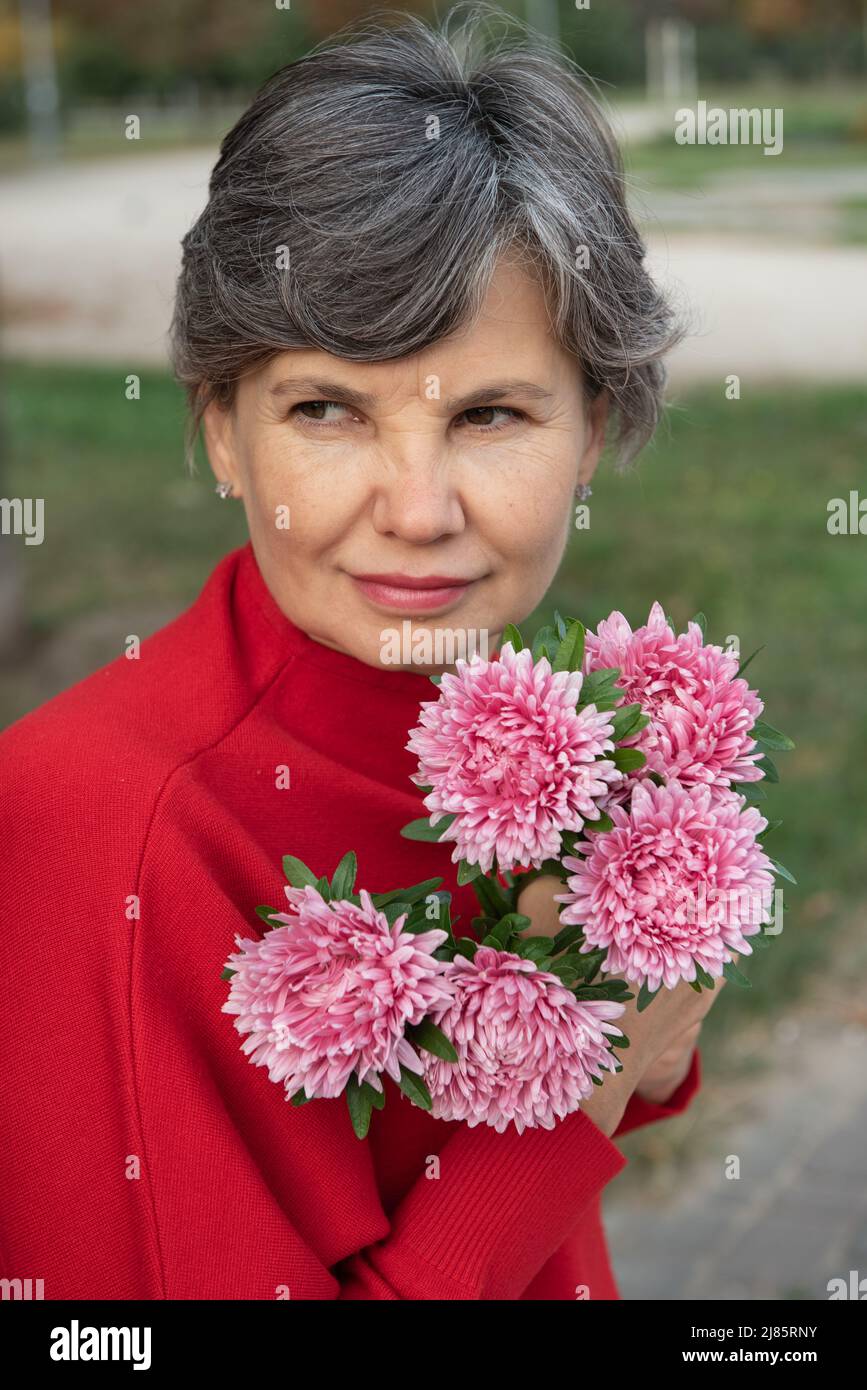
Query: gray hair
(396, 163)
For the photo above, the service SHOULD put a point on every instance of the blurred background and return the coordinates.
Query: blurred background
(726, 512)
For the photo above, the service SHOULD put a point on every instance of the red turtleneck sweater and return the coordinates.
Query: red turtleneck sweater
(141, 1154)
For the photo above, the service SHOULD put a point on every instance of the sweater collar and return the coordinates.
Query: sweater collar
(254, 603)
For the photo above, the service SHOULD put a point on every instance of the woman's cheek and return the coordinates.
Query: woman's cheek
(287, 494)
(534, 531)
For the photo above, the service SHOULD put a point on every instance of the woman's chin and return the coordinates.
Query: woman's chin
(426, 645)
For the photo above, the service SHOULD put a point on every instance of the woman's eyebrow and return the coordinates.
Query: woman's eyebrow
(321, 390)
(495, 391)
(335, 390)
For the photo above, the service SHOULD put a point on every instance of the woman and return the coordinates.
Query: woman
(407, 317)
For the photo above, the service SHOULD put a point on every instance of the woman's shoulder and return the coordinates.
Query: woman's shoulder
(88, 764)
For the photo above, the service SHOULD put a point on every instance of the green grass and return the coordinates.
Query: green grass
(662, 163)
(109, 141)
(726, 513)
(126, 522)
(822, 127)
(853, 221)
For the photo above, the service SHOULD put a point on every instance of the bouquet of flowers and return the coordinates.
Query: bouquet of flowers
(623, 764)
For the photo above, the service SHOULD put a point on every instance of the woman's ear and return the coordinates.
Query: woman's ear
(218, 430)
(596, 415)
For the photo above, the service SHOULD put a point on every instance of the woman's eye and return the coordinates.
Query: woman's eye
(483, 417)
(320, 411)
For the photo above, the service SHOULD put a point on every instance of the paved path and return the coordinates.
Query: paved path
(797, 1216)
(89, 254)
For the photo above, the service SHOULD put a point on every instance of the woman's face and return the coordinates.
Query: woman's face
(434, 490)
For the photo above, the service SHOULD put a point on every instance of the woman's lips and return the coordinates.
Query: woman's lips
(404, 594)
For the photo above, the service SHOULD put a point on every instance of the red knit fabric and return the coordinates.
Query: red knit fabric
(141, 1154)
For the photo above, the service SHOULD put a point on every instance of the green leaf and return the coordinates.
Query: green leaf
(570, 652)
(300, 1098)
(628, 759)
(512, 922)
(702, 622)
(771, 825)
(467, 872)
(432, 1039)
(414, 1088)
(535, 948)
(752, 791)
(604, 822)
(267, 912)
(703, 977)
(226, 973)
(392, 911)
(744, 664)
(419, 919)
(622, 1041)
(626, 722)
(545, 642)
(759, 940)
(588, 963)
(567, 937)
(297, 873)
(324, 888)
(565, 969)
(343, 882)
(783, 871)
(360, 1106)
(771, 738)
(466, 946)
(435, 680)
(445, 920)
(377, 1098)
(511, 634)
(570, 841)
(600, 688)
(769, 769)
(645, 997)
(734, 976)
(559, 625)
(422, 829)
(407, 895)
(490, 895)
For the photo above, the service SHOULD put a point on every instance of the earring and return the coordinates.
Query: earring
(223, 489)
(583, 491)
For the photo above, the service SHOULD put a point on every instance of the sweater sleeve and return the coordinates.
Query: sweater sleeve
(500, 1206)
(643, 1112)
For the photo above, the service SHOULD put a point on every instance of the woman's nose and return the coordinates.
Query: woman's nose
(418, 502)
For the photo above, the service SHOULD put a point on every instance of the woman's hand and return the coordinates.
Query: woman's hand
(662, 1078)
(661, 1037)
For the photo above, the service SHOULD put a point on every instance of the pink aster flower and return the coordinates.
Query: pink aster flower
(680, 881)
(527, 1049)
(700, 713)
(506, 753)
(331, 993)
